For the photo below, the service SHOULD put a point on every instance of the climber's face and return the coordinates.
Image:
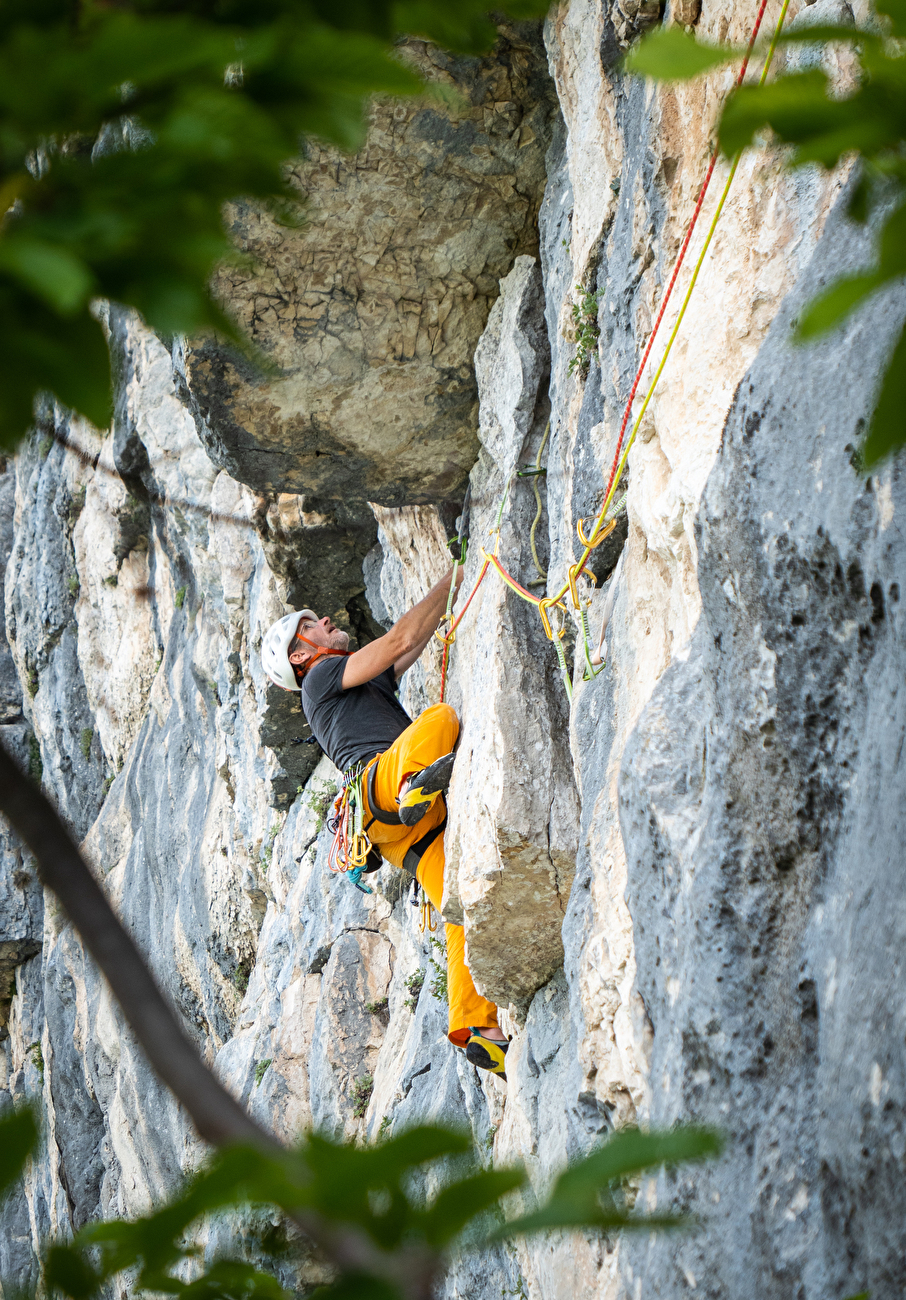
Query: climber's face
(318, 634)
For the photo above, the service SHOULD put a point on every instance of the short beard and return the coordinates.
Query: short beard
(338, 640)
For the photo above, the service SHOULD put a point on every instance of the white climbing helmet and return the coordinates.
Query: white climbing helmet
(275, 647)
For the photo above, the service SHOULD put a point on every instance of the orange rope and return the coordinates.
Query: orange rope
(450, 636)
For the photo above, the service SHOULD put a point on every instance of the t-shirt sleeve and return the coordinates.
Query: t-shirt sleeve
(388, 676)
(324, 680)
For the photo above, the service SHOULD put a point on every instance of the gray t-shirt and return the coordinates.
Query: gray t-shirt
(352, 726)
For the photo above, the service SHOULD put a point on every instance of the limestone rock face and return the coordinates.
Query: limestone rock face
(371, 311)
(684, 887)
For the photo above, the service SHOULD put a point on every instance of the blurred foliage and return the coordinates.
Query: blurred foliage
(126, 126)
(363, 1190)
(805, 111)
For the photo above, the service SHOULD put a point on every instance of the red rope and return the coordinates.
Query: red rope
(679, 261)
(459, 617)
(443, 670)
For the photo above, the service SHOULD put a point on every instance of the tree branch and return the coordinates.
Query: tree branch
(217, 1116)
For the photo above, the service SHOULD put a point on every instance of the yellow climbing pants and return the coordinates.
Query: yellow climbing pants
(430, 736)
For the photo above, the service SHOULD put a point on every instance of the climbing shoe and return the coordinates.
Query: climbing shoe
(422, 788)
(486, 1054)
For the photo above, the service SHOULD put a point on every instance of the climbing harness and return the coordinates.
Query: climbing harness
(606, 519)
(351, 851)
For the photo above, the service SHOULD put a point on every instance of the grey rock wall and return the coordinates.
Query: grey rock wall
(684, 889)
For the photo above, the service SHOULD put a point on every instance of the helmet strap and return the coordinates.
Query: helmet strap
(323, 653)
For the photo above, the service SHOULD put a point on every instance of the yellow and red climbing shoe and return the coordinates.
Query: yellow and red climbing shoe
(422, 788)
(486, 1053)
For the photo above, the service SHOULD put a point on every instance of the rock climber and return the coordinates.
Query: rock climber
(350, 701)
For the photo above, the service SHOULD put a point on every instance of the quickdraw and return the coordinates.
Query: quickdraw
(426, 919)
(350, 848)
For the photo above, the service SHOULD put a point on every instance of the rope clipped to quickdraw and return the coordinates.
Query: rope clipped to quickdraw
(351, 845)
(605, 521)
(564, 666)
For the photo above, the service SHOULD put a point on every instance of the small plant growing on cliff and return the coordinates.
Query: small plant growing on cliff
(179, 597)
(35, 762)
(32, 682)
(414, 983)
(361, 1095)
(76, 506)
(437, 985)
(261, 1069)
(37, 1058)
(585, 330)
(241, 976)
(267, 852)
(72, 582)
(378, 1008)
(386, 1124)
(85, 741)
(321, 795)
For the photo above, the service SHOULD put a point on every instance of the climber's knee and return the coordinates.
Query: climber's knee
(442, 721)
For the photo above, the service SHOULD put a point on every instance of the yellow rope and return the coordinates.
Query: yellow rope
(542, 572)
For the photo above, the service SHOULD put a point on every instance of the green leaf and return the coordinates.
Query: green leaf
(18, 1139)
(345, 1177)
(670, 55)
(887, 431)
(463, 1201)
(43, 352)
(233, 1279)
(895, 10)
(576, 1199)
(799, 101)
(892, 242)
(53, 272)
(822, 33)
(465, 26)
(857, 209)
(357, 1286)
(67, 1273)
(830, 308)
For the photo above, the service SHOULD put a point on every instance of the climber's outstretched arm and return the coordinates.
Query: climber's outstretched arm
(402, 645)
